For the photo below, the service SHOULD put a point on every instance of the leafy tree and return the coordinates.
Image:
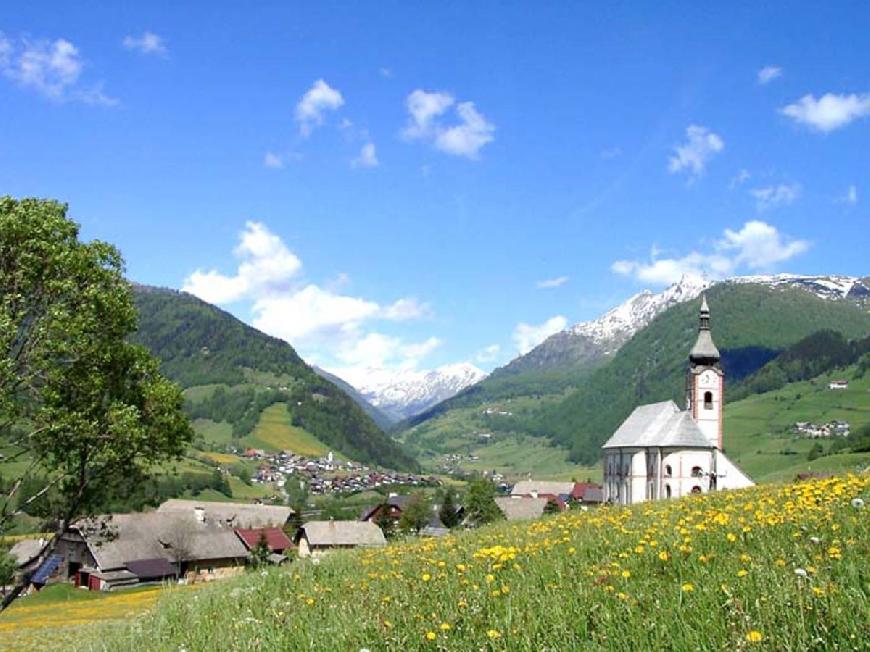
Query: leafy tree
(260, 552)
(480, 504)
(297, 498)
(815, 452)
(552, 507)
(449, 513)
(416, 513)
(8, 566)
(384, 521)
(80, 407)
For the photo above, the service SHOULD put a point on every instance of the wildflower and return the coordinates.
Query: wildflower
(663, 555)
(688, 587)
(426, 577)
(742, 572)
(493, 634)
(626, 573)
(731, 537)
(857, 503)
(445, 627)
(431, 636)
(800, 572)
(815, 540)
(780, 562)
(309, 601)
(754, 636)
(490, 579)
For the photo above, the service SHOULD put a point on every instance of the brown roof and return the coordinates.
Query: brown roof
(244, 515)
(521, 508)
(275, 538)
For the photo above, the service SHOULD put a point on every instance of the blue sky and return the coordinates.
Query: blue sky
(389, 186)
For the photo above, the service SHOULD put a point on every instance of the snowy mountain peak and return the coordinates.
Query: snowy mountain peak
(405, 393)
(619, 324)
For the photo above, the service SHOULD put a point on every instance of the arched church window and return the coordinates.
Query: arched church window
(667, 491)
(696, 489)
(668, 470)
(697, 472)
(708, 400)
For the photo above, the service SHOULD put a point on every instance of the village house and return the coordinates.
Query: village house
(521, 508)
(276, 541)
(562, 493)
(838, 384)
(316, 538)
(660, 451)
(233, 515)
(393, 506)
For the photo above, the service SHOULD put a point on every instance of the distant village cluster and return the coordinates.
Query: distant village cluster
(327, 475)
(835, 428)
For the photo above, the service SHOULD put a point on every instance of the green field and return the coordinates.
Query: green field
(276, 432)
(757, 436)
(775, 567)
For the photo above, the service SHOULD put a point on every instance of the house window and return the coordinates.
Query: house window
(708, 400)
(696, 489)
(667, 491)
(668, 470)
(697, 472)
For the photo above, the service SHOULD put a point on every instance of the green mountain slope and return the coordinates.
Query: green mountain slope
(381, 418)
(232, 373)
(750, 324)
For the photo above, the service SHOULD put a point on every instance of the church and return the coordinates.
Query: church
(660, 451)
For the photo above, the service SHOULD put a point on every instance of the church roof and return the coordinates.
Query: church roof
(704, 348)
(658, 424)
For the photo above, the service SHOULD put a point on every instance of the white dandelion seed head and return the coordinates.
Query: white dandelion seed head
(800, 572)
(815, 540)
(857, 503)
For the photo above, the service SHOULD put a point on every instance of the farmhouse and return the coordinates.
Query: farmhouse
(317, 538)
(838, 384)
(660, 451)
(393, 507)
(521, 508)
(275, 539)
(234, 515)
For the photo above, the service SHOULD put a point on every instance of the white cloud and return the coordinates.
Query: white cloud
(692, 156)
(739, 179)
(528, 336)
(768, 74)
(265, 264)
(324, 323)
(272, 160)
(148, 43)
(465, 138)
(773, 196)
(829, 112)
(850, 197)
(52, 68)
(757, 246)
(552, 282)
(318, 99)
(488, 354)
(368, 157)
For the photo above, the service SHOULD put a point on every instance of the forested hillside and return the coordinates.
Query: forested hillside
(751, 325)
(231, 372)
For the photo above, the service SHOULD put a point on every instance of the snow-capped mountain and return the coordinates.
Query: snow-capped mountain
(590, 341)
(402, 394)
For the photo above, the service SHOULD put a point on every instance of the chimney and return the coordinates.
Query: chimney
(534, 493)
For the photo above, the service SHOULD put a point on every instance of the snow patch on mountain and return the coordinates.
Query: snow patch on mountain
(824, 287)
(405, 393)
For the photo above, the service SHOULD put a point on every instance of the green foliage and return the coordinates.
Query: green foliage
(480, 506)
(199, 344)
(448, 513)
(87, 410)
(260, 552)
(416, 513)
(8, 566)
(815, 452)
(384, 521)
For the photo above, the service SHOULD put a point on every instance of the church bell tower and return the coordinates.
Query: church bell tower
(705, 382)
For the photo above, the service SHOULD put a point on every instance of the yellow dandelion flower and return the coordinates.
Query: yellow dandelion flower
(445, 627)
(742, 572)
(490, 579)
(426, 577)
(626, 573)
(663, 555)
(754, 636)
(493, 634)
(688, 587)
(431, 636)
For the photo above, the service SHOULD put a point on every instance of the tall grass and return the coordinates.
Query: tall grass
(779, 567)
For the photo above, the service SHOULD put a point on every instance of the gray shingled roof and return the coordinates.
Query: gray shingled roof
(342, 533)
(523, 508)
(244, 515)
(121, 538)
(26, 550)
(704, 348)
(526, 487)
(658, 424)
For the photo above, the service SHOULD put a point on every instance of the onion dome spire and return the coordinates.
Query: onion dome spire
(704, 351)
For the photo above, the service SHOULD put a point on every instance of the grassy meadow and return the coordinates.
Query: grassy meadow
(774, 567)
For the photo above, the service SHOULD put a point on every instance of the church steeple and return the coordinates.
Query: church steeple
(704, 352)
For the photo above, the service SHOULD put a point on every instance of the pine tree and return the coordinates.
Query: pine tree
(449, 514)
(480, 503)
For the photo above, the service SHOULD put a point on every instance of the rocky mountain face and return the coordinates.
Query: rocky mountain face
(404, 394)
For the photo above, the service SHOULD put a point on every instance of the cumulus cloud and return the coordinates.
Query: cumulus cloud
(768, 74)
(488, 354)
(829, 112)
(51, 68)
(147, 43)
(552, 282)
(272, 160)
(739, 179)
(692, 156)
(773, 196)
(327, 324)
(528, 336)
(427, 122)
(265, 264)
(317, 101)
(756, 246)
(368, 157)
(850, 197)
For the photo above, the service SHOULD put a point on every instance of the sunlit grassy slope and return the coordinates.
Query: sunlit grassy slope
(757, 428)
(778, 567)
(275, 431)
